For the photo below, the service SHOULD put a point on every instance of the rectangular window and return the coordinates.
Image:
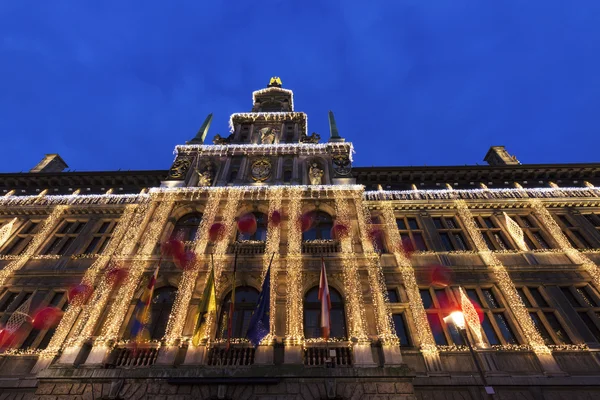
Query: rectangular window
(492, 233)
(532, 233)
(63, 238)
(18, 243)
(401, 329)
(557, 328)
(572, 232)
(393, 296)
(489, 331)
(100, 237)
(7, 301)
(436, 328)
(410, 229)
(592, 327)
(450, 233)
(544, 317)
(541, 328)
(426, 298)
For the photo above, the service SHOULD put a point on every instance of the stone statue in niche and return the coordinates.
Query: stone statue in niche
(313, 138)
(315, 174)
(267, 135)
(206, 176)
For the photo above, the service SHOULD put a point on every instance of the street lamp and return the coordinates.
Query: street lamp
(458, 318)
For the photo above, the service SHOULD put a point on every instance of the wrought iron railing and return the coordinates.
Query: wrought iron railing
(236, 355)
(134, 356)
(320, 247)
(332, 356)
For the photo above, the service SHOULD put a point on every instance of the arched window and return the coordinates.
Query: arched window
(186, 227)
(321, 228)
(246, 298)
(261, 228)
(160, 309)
(312, 314)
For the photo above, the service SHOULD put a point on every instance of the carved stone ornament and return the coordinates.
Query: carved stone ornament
(179, 168)
(206, 175)
(313, 138)
(341, 164)
(315, 174)
(267, 135)
(218, 139)
(260, 169)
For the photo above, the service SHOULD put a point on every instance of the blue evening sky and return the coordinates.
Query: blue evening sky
(117, 84)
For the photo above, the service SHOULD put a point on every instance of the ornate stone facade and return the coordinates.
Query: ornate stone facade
(520, 241)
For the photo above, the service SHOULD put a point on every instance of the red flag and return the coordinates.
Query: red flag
(325, 302)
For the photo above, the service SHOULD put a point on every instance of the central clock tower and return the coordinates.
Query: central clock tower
(268, 145)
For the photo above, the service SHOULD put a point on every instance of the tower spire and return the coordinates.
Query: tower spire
(334, 135)
(201, 135)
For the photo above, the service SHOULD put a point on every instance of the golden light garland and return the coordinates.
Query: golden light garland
(505, 283)
(220, 250)
(554, 229)
(423, 331)
(73, 310)
(92, 311)
(471, 317)
(272, 247)
(294, 279)
(39, 238)
(125, 294)
(6, 231)
(352, 281)
(383, 315)
(179, 311)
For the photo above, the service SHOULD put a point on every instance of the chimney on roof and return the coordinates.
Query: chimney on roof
(50, 163)
(497, 155)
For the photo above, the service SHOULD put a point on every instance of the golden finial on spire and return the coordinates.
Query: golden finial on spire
(275, 81)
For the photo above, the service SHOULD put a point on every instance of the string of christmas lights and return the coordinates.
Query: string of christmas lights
(272, 248)
(38, 239)
(352, 281)
(473, 194)
(505, 283)
(554, 229)
(179, 312)
(266, 149)
(93, 309)
(73, 310)
(118, 310)
(6, 231)
(71, 199)
(220, 251)
(423, 331)
(383, 315)
(294, 278)
(269, 116)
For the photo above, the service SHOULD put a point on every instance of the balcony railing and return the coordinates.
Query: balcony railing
(320, 247)
(332, 356)
(125, 357)
(237, 355)
(247, 247)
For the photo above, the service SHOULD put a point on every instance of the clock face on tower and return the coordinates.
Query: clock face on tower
(261, 170)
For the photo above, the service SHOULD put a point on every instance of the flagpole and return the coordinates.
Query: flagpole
(231, 303)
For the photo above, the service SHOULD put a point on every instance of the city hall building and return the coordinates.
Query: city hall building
(515, 246)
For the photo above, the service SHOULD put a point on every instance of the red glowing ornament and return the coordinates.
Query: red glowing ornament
(46, 318)
(408, 248)
(216, 232)
(79, 294)
(307, 220)
(440, 275)
(116, 276)
(247, 224)
(275, 218)
(172, 247)
(187, 261)
(6, 338)
(339, 231)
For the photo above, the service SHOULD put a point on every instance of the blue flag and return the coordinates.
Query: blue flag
(259, 323)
